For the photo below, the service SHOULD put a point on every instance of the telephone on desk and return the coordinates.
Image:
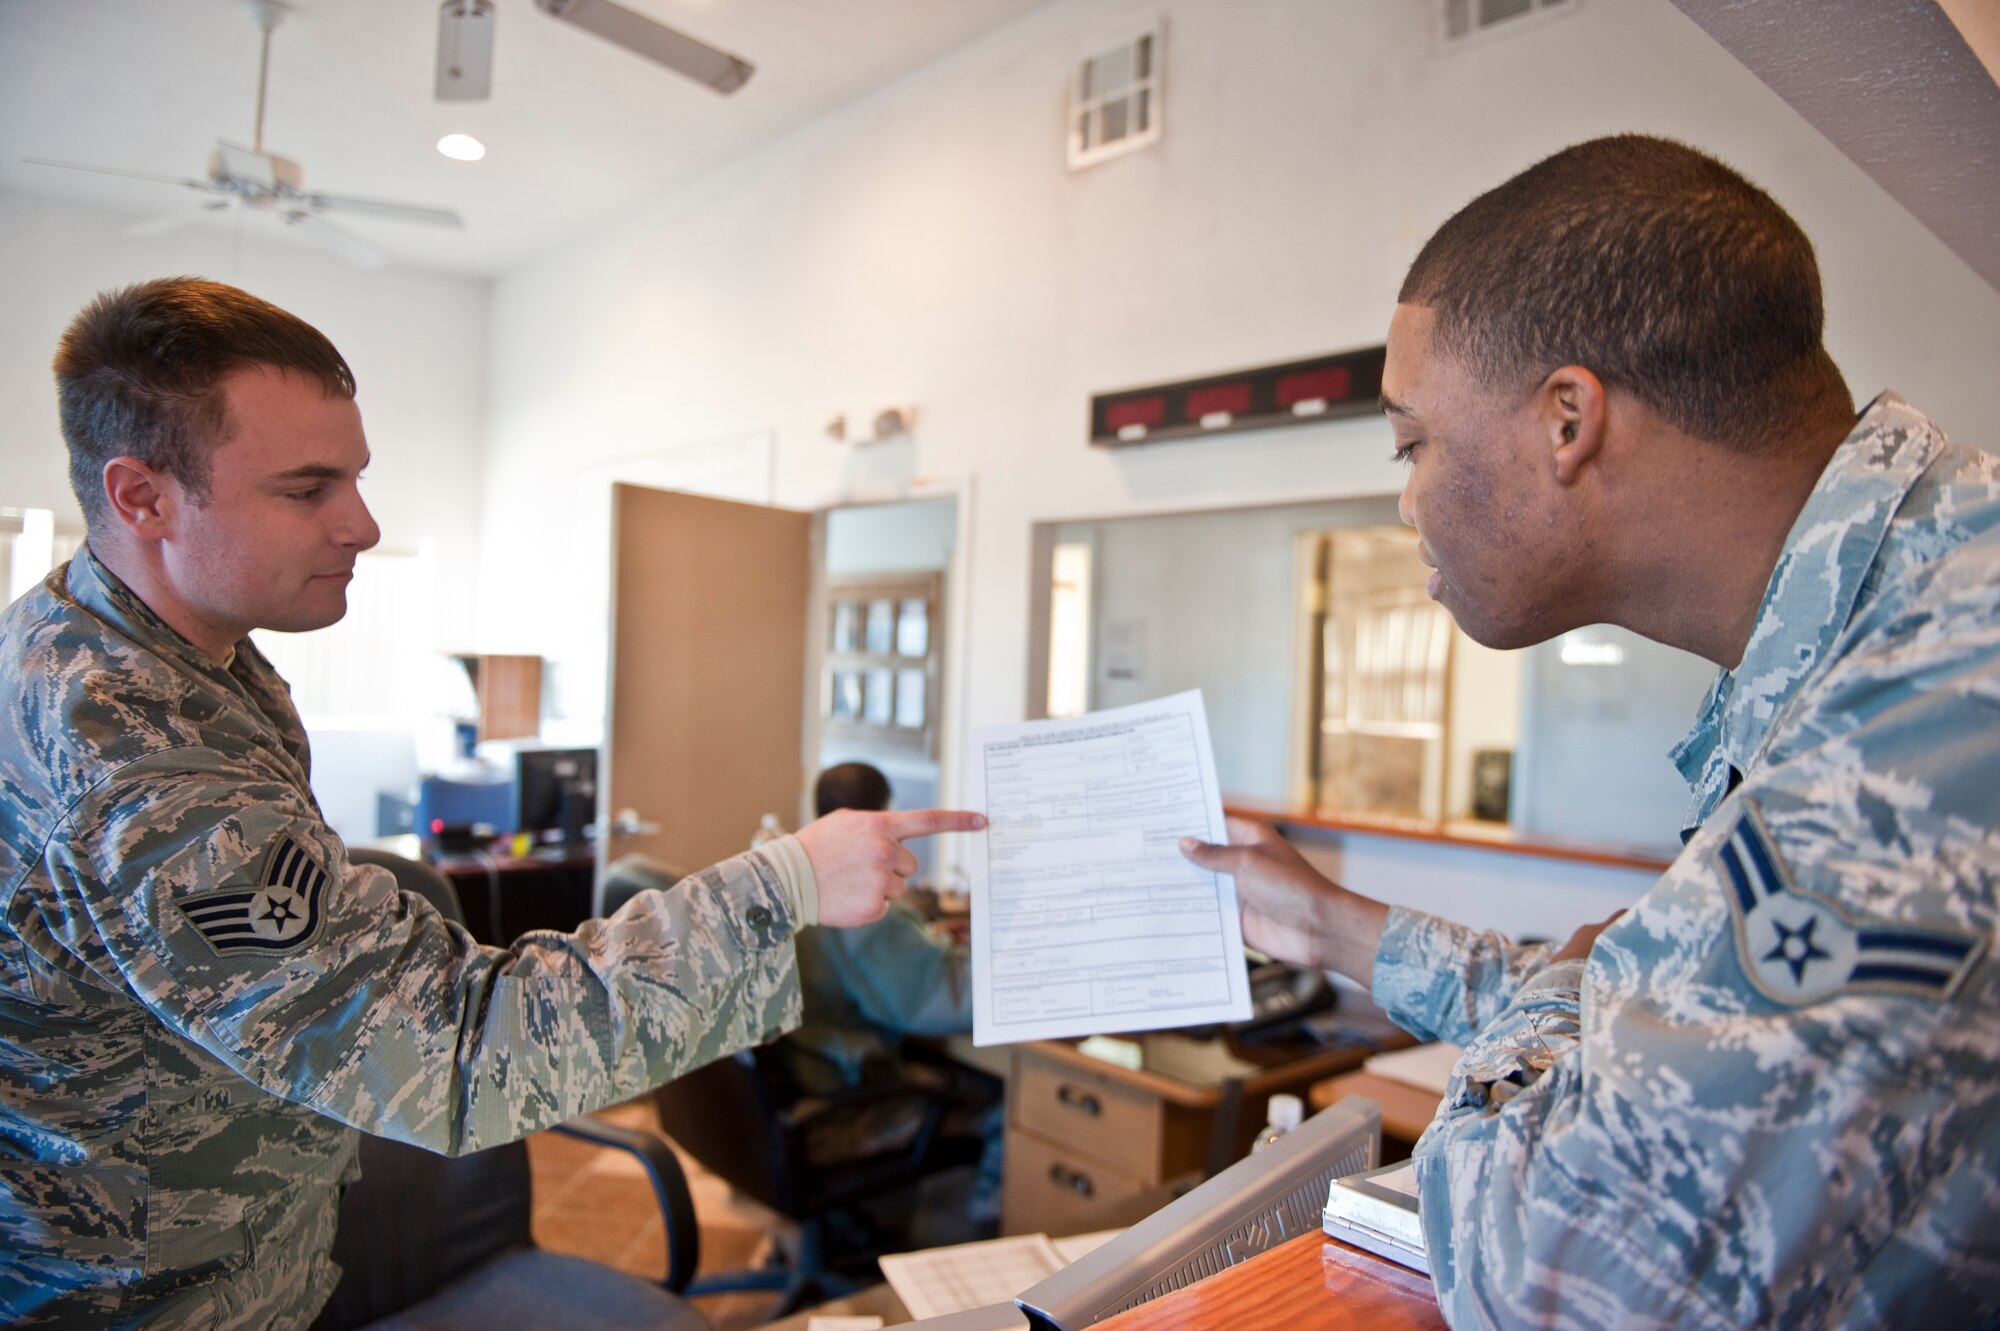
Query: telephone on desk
(1282, 996)
(1282, 999)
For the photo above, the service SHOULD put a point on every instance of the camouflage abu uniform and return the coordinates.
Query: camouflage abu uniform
(197, 991)
(1769, 1097)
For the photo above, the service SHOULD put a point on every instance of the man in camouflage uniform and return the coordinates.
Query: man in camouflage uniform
(1767, 1095)
(200, 999)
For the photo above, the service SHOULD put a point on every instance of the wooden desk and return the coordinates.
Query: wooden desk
(1086, 1137)
(1312, 1281)
(1406, 1110)
(534, 892)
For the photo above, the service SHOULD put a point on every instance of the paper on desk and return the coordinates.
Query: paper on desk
(1085, 916)
(1082, 1245)
(1426, 1066)
(937, 1281)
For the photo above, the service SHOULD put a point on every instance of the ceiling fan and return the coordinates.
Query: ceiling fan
(240, 177)
(465, 45)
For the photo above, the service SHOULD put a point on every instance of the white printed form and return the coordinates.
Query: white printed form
(1086, 918)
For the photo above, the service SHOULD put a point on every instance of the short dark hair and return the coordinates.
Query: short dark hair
(850, 786)
(1656, 267)
(139, 373)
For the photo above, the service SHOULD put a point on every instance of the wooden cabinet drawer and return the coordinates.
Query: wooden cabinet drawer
(1093, 1116)
(1057, 1191)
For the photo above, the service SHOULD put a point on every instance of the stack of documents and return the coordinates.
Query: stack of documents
(1377, 1210)
(975, 1275)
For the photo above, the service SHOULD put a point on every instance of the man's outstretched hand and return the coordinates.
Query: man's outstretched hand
(860, 862)
(1290, 910)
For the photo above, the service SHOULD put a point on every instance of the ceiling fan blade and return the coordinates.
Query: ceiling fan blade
(465, 50)
(401, 212)
(640, 35)
(349, 247)
(189, 181)
(247, 163)
(174, 221)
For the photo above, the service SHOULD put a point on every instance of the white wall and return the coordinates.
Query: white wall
(927, 245)
(415, 340)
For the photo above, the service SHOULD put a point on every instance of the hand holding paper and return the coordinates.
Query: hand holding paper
(1290, 910)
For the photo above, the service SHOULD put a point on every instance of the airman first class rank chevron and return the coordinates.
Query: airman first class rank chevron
(1798, 949)
(277, 913)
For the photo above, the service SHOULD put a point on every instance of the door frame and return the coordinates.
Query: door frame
(956, 624)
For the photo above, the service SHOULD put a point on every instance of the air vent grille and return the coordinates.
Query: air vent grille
(1471, 20)
(1115, 100)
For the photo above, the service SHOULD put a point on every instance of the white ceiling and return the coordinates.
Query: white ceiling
(576, 129)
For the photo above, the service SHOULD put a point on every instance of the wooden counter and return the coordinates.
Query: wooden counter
(1312, 1281)
(1471, 835)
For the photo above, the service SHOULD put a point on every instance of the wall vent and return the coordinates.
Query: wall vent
(1114, 104)
(1464, 21)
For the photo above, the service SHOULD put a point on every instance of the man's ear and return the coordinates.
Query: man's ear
(1571, 404)
(140, 499)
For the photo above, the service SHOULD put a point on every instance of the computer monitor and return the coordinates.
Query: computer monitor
(1277, 1194)
(555, 794)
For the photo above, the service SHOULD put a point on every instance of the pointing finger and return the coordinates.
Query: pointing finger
(907, 823)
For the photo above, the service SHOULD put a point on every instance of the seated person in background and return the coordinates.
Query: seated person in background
(868, 987)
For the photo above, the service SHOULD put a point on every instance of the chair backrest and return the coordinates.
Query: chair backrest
(414, 876)
(629, 875)
(416, 1221)
(725, 1116)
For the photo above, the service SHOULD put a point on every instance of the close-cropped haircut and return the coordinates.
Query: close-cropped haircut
(1654, 266)
(139, 374)
(851, 786)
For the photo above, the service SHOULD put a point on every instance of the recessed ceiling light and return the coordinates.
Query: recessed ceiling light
(463, 147)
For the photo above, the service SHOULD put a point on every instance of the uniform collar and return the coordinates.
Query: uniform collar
(1817, 580)
(246, 675)
(103, 593)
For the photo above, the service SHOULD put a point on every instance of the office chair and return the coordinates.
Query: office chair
(811, 1159)
(414, 876)
(629, 875)
(436, 1243)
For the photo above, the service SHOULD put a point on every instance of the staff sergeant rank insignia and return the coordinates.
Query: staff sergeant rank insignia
(1798, 949)
(277, 913)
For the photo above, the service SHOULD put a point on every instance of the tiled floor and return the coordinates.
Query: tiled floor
(597, 1203)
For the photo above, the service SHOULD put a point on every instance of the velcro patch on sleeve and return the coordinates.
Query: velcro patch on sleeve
(278, 912)
(1799, 949)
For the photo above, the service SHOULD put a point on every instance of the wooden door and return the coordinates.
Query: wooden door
(709, 618)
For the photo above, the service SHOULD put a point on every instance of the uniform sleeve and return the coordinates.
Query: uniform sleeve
(1443, 981)
(1772, 1097)
(229, 909)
